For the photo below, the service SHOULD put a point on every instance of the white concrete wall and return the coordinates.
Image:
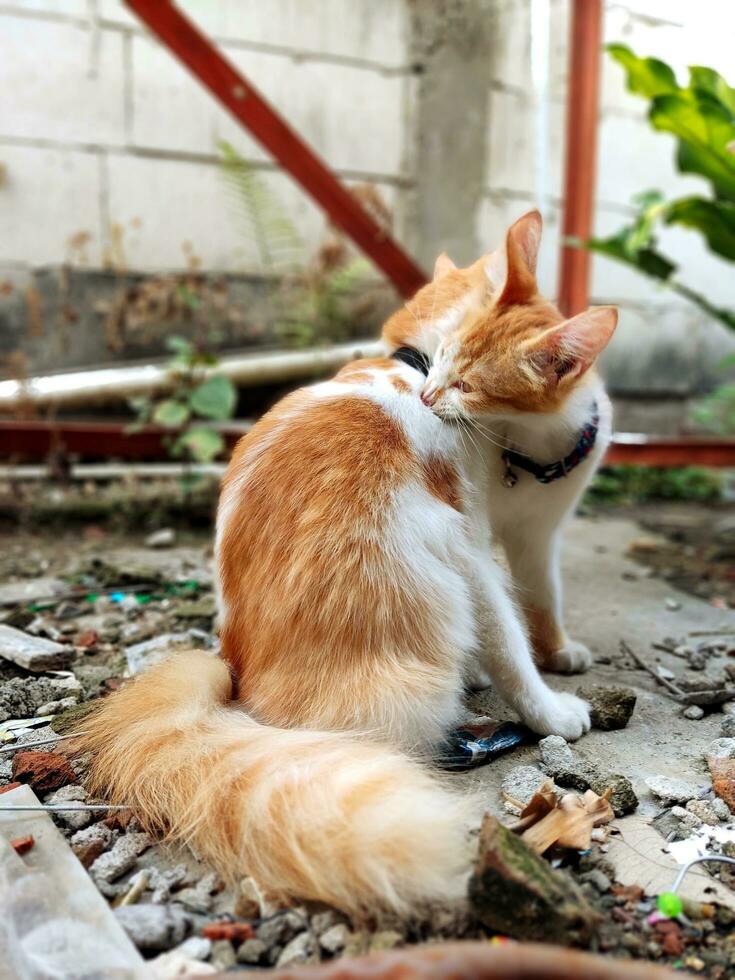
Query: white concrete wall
(107, 140)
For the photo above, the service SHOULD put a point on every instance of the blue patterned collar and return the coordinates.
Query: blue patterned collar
(548, 472)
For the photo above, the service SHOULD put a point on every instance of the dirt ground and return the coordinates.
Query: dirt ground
(621, 583)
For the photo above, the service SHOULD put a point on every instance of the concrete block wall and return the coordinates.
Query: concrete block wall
(108, 146)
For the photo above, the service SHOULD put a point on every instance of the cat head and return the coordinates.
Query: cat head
(502, 349)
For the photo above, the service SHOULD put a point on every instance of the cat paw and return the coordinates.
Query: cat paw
(572, 658)
(561, 714)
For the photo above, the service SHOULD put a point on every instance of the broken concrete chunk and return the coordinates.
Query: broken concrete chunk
(518, 894)
(281, 928)
(727, 726)
(335, 939)
(611, 707)
(154, 928)
(705, 811)
(32, 652)
(671, 791)
(121, 858)
(141, 656)
(90, 842)
(251, 951)
(693, 712)
(560, 762)
(622, 796)
(31, 590)
(75, 819)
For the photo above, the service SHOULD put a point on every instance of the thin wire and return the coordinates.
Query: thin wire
(51, 740)
(706, 857)
(62, 808)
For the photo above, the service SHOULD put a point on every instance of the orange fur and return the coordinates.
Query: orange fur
(545, 633)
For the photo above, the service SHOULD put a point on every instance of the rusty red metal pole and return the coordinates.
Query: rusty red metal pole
(247, 105)
(580, 167)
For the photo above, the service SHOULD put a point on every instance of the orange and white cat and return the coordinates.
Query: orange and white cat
(358, 594)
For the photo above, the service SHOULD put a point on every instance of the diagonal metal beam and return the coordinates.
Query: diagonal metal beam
(247, 105)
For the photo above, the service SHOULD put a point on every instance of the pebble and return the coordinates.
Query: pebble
(721, 809)
(672, 604)
(686, 817)
(121, 858)
(728, 708)
(163, 538)
(280, 929)
(597, 878)
(223, 954)
(611, 707)
(162, 882)
(199, 897)
(195, 948)
(670, 790)
(154, 928)
(323, 921)
(251, 951)
(252, 902)
(727, 726)
(559, 761)
(522, 783)
(721, 748)
(335, 939)
(301, 949)
(74, 794)
(693, 712)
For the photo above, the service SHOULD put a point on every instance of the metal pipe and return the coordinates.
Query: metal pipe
(580, 168)
(118, 384)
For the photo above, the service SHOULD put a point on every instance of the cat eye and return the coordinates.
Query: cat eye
(462, 385)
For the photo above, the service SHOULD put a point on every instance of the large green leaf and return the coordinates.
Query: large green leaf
(704, 131)
(707, 80)
(646, 260)
(646, 76)
(714, 219)
(202, 444)
(214, 398)
(171, 413)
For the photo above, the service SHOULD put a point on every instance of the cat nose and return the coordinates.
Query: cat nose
(429, 395)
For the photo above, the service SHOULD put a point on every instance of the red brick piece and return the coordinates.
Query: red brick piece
(44, 771)
(21, 845)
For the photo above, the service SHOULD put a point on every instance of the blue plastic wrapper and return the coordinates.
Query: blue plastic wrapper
(476, 745)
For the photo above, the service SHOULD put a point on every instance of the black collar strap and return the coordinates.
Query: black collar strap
(414, 358)
(548, 472)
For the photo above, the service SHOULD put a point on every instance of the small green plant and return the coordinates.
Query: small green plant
(308, 302)
(628, 484)
(197, 399)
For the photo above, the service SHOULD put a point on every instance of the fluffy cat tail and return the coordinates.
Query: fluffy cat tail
(313, 815)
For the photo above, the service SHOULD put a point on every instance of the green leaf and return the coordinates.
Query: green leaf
(215, 398)
(171, 413)
(646, 76)
(180, 346)
(202, 444)
(704, 131)
(714, 219)
(709, 81)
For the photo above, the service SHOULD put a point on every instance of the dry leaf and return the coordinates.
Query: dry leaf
(569, 823)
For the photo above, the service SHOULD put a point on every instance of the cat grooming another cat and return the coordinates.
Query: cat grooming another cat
(358, 596)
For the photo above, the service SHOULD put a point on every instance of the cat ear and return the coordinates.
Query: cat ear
(511, 270)
(565, 352)
(442, 266)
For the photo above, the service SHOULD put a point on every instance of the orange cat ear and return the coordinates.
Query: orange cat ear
(511, 270)
(567, 351)
(442, 266)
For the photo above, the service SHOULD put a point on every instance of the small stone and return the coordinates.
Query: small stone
(195, 948)
(199, 898)
(223, 954)
(522, 783)
(323, 921)
(387, 939)
(301, 949)
(71, 794)
(335, 939)
(686, 817)
(121, 858)
(163, 538)
(154, 928)
(599, 879)
(43, 771)
(547, 905)
(611, 707)
(693, 712)
(721, 748)
(670, 790)
(727, 726)
(251, 951)
(55, 707)
(161, 883)
(281, 929)
(32, 652)
(90, 842)
(141, 656)
(704, 810)
(721, 809)
(673, 605)
(21, 845)
(728, 708)
(560, 762)
(622, 799)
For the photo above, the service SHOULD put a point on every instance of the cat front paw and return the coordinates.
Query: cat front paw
(572, 658)
(560, 714)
